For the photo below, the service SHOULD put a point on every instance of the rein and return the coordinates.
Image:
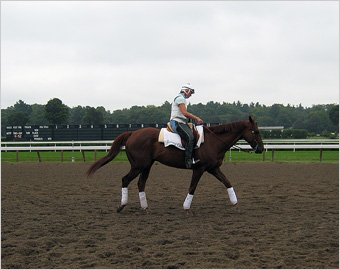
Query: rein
(244, 150)
(237, 147)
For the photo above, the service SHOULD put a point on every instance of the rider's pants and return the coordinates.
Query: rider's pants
(185, 132)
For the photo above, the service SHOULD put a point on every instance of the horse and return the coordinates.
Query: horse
(143, 149)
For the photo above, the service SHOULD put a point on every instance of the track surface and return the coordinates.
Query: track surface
(54, 217)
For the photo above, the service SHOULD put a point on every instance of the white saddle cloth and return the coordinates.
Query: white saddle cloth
(170, 138)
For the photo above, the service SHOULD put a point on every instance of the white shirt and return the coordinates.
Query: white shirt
(176, 113)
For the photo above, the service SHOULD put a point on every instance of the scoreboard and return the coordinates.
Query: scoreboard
(71, 132)
(28, 133)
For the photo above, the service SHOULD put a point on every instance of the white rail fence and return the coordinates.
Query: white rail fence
(82, 146)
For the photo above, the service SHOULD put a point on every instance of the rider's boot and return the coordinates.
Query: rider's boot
(189, 160)
(188, 163)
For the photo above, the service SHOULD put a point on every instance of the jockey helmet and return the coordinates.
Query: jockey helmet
(186, 89)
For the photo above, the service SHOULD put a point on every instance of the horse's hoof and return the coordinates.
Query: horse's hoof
(146, 210)
(237, 209)
(120, 208)
(189, 213)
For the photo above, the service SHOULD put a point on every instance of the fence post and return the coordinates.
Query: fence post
(320, 154)
(72, 151)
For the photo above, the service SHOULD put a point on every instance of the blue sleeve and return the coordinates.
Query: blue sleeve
(180, 100)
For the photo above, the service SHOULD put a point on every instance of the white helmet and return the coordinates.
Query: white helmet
(187, 88)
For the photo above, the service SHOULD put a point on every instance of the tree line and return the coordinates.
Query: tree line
(317, 119)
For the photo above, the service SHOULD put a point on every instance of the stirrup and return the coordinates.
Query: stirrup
(195, 161)
(190, 162)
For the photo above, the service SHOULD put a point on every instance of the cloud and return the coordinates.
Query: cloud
(119, 54)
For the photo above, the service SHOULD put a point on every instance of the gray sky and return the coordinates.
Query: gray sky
(118, 54)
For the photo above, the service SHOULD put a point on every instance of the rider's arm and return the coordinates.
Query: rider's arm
(189, 115)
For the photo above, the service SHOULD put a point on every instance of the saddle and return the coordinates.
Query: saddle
(169, 137)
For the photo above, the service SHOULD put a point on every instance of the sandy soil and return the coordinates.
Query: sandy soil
(54, 217)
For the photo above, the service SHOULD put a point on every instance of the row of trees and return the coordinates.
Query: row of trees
(317, 119)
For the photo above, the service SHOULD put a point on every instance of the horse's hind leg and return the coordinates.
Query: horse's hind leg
(141, 186)
(126, 180)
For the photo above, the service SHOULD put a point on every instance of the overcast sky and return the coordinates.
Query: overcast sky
(118, 54)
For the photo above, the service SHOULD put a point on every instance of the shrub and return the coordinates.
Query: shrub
(299, 133)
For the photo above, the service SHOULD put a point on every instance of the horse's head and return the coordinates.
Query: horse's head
(253, 137)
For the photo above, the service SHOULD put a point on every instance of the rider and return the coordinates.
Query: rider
(178, 121)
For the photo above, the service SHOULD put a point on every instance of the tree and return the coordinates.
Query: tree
(17, 115)
(316, 122)
(56, 112)
(76, 114)
(265, 121)
(93, 116)
(334, 115)
(299, 124)
(318, 118)
(18, 119)
(21, 106)
(275, 110)
(152, 115)
(38, 115)
(284, 119)
(119, 116)
(105, 114)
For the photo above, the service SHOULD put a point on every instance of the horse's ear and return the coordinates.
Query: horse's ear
(251, 119)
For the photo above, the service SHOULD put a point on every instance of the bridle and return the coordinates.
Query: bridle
(255, 134)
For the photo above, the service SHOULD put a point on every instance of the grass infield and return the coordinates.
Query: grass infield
(328, 156)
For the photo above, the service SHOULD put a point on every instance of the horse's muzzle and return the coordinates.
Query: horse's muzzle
(258, 149)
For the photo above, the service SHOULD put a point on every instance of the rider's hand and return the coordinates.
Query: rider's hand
(200, 121)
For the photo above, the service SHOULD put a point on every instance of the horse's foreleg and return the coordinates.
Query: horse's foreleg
(196, 175)
(221, 177)
(141, 186)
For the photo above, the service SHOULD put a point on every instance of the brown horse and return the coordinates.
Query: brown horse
(143, 149)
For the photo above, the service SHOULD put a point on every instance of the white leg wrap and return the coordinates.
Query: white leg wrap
(187, 202)
(125, 195)
(143, 202)
(232, 195)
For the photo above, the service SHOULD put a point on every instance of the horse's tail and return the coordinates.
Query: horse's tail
(115, 149)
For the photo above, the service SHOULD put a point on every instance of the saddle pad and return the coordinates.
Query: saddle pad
(170, 138)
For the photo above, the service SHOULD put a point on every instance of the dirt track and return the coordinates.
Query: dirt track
(54, 217)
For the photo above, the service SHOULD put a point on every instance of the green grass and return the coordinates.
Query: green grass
(51, 156)
(301, 156)
(328, 156)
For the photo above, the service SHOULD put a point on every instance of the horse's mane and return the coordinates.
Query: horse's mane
(228, 127)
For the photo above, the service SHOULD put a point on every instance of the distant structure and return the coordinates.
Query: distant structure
(272, 128)
(83, 132)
